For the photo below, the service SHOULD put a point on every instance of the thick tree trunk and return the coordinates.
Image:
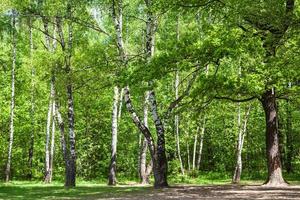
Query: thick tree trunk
(160, 168)
(112, 180)
(71, 172)
(275, 177)
(32, 111)
(242, 131)
(12, 103)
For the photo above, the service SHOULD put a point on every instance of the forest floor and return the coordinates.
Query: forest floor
(39, 191)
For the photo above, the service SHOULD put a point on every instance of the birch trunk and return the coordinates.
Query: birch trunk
(70, 159)
(194, 150)
(160, 167)
(201, 143)
(120, 104)
(157, 152)
(242, 131)
(145, 170)
(12, 103)
(52, 141)
(47, 175)
(117, 15)
(112, 169)
(61, 125)
(177, 137)
(160, 163)
(141, 126)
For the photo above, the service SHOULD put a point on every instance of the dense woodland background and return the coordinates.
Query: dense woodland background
(211, 53)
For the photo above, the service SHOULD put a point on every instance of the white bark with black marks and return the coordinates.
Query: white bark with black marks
(47, 175)
(177, 137)
(52, 148)
(194, 150)
(201, 143)
(145, 170)
(12, 102)
(242, 131)
(112, 180)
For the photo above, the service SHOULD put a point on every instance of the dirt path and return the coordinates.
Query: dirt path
(218, 193)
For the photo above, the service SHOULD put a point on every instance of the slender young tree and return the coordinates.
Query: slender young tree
(47, 176)
(52, 147)
(177, 137)
(117, 15)
(195, 149)
(242, 131)
(177, 82)
(12, 102)
(201, 143)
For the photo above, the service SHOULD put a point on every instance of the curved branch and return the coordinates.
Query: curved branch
(145, 131)
(236, 100)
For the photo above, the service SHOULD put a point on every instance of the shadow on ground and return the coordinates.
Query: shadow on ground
(215, 192)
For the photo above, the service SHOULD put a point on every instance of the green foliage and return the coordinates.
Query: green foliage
(190, 39)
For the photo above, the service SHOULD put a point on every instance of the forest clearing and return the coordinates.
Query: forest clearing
(149, 99)
(137, 192)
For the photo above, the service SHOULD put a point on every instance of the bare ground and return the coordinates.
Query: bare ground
(235, 192)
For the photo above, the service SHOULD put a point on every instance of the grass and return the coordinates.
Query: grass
(16, 190)
(29, 191)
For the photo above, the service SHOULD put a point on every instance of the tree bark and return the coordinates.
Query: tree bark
(242, 131)
(145, 170)
(61, 125)
(194, 150)
(117, 15)
(157, 152)
(71, 162)
(201, 144)
(275, 177)
(177, 137)
(112, 180)
(160, 168)
(12, 103)
(52, 148)
(47, 174)
(141, 126)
